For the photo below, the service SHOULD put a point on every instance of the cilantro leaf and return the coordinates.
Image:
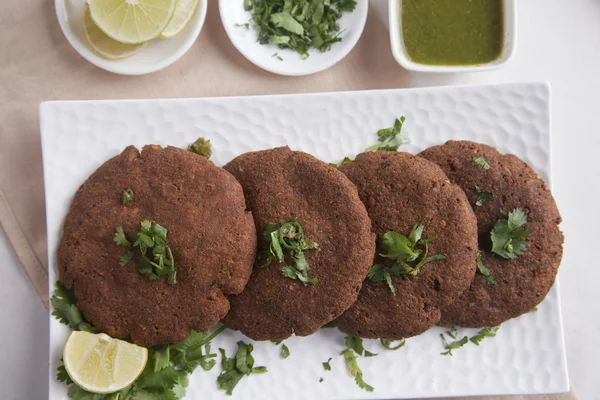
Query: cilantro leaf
(120, 238)
(288, 238)
(483, 196)
(403, 251)
(480, 162)
(355, 371)
(202, 146)
(65, 310)
(388, 344)
(125, 258)
(327, 365)
(127, 196)
(486, 332)
(453, 345)
(62, 375)
(356, 343)
(484, 271)
(390, 139)
(285, 352)
(195, 351)
(509, 234)
(161, 357)
(234, 369)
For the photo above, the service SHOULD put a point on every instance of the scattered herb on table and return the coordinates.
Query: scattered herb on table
(277, 56)
(299, 25)
(483, 196)
(245, 25)
(155, 257)
(453, 345)
(388, 344)
(480, 162)
(127, 196)
(327, 365)
(509, 234)
(234, 369)
(288, 238)
(486, 332)
(285, 352)
(356, 343)
(320, 380)
(403, 251)
(166, 373)
(483, 270)
(202, 147)
(354, 370)
(390, 139)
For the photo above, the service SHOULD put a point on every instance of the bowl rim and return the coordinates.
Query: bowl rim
(401, 55)
(362, 7)
(112, 65)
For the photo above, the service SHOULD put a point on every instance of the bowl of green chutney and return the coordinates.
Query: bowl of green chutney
(452, 35)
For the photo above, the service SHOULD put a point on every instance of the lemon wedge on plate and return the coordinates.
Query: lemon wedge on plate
(101, 43)
(184, 10)
(100, 364)
(132, 21)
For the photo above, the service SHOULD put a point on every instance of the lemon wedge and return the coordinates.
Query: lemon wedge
(184, 10)
(132, 21)
(101, 43)
(100, 364)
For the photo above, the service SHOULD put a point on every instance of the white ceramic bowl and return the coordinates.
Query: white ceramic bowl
(232, 13)
(159, 53)
(401, 55)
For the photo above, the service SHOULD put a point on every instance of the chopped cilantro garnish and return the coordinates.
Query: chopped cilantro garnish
(155, 255)
(390, 139)
(277, 56)
(486, 332)
(483, 270)
(355, 370)
(299, 25)
(483, 196)
(234, 369)
(388, 344)
(127, 196)
(326, 365)
(245, 25)
(65, 310)
(320, 379)
(288, 238)
(480, 162)
(534, 309)
(403, 251)
(355, 343)
(453, 345)
(202, 147)
(509, 234)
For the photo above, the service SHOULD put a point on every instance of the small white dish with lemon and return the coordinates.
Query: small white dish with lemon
(131, 37)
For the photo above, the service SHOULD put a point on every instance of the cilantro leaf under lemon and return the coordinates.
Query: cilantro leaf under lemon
(132, 21)
(103, 44)
(100, 364)
(184, 10)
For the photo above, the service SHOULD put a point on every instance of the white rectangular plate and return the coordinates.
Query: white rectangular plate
(528, 354)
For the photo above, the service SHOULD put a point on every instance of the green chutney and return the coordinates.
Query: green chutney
(453, 32)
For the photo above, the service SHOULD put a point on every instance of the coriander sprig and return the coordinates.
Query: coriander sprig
(155, 255)
(509, 234)
(403, 251)
(355, 371)
(65, 310)
(390, 139)
(288, 238)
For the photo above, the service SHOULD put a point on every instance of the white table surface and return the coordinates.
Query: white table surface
(558, 41)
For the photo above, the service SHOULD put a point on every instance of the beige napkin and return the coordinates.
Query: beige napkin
(37, 64)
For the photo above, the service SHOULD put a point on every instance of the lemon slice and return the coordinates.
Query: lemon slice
(132, 21)
(102, 43)
(184, 10)
(100, 364)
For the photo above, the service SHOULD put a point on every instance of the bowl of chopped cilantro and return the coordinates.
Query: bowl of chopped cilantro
(294, 37)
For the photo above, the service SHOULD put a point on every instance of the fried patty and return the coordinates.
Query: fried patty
(399, 191)
(522, 283)
(281, 185)
(211, 234)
